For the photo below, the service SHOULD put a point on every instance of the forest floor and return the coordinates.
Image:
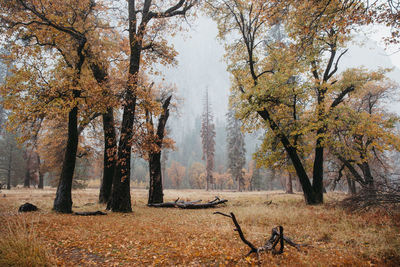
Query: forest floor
(177, 237)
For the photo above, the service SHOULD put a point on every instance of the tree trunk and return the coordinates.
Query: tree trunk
(63, 200)
(289, 184)
(110, 145)
(9, 169)
(271, 179)
(318, 171)
(351, 184)
(240, 182)
(156, 189)
(27, 180)
(41, 182)
(120, 200)
(310, 196)
(368, 178)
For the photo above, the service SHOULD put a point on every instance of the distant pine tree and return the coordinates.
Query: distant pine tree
(236, 148)
(207, 133)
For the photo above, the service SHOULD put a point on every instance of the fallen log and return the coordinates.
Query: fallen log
(189, 204)
(90, 213)
(277, 236)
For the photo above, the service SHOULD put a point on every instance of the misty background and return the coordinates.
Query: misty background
(201, 65)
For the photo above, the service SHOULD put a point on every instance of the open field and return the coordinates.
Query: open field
(151, 236)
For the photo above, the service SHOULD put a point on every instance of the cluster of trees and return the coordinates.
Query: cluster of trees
(72, 61)
(84, 87)
(284, 58)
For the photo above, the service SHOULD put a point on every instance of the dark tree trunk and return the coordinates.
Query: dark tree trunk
(9, 169)
(318, 171)
(41, 183)
(120, 200)
(368, 178)
(351, 186)
(110, 139)
(289, 184)
(63, 200)
(110, 145)
(240, 182)
(310, 196)
(156, 194)
(27, 180)
(156, 186)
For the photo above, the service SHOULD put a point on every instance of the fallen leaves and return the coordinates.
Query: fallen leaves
(165, 237)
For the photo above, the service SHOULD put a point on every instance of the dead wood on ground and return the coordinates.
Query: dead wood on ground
(277, 236)
(90, 213)
(189, 204)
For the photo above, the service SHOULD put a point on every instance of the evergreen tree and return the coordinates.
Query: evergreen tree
(208, 141)
(236, 148)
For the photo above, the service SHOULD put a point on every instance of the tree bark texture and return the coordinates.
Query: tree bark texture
(63, 200)
(156, 187)
(41, 182)
(110, 145)
(120, 196)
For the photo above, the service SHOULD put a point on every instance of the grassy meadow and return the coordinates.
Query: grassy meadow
(176, 237)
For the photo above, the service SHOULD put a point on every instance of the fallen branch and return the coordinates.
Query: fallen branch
(277, 236)
(189, 204)
(90, 213)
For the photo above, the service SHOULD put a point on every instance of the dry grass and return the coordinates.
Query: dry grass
(19, 245)
(151, 236)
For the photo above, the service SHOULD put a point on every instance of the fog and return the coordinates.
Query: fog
(201, 65)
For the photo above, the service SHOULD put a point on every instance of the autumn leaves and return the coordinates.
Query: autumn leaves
(70, 61)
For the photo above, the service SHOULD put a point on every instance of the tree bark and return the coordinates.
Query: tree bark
(27, 180)
(41, 182)
(156, 186)
(63, 200)
(351, 184)
(311, 197)
(110, 145)
(289, 184)
(156, 194)
(9, 169)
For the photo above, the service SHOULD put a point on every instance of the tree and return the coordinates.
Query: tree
(236, 148)
(256, 178)
(207, 134)
(12, 163)
(388, 13)
(363, 135)
(289, 87)
(197, 175)
(62, 29)
(176, 172)
(154, 154)
(147, 19)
